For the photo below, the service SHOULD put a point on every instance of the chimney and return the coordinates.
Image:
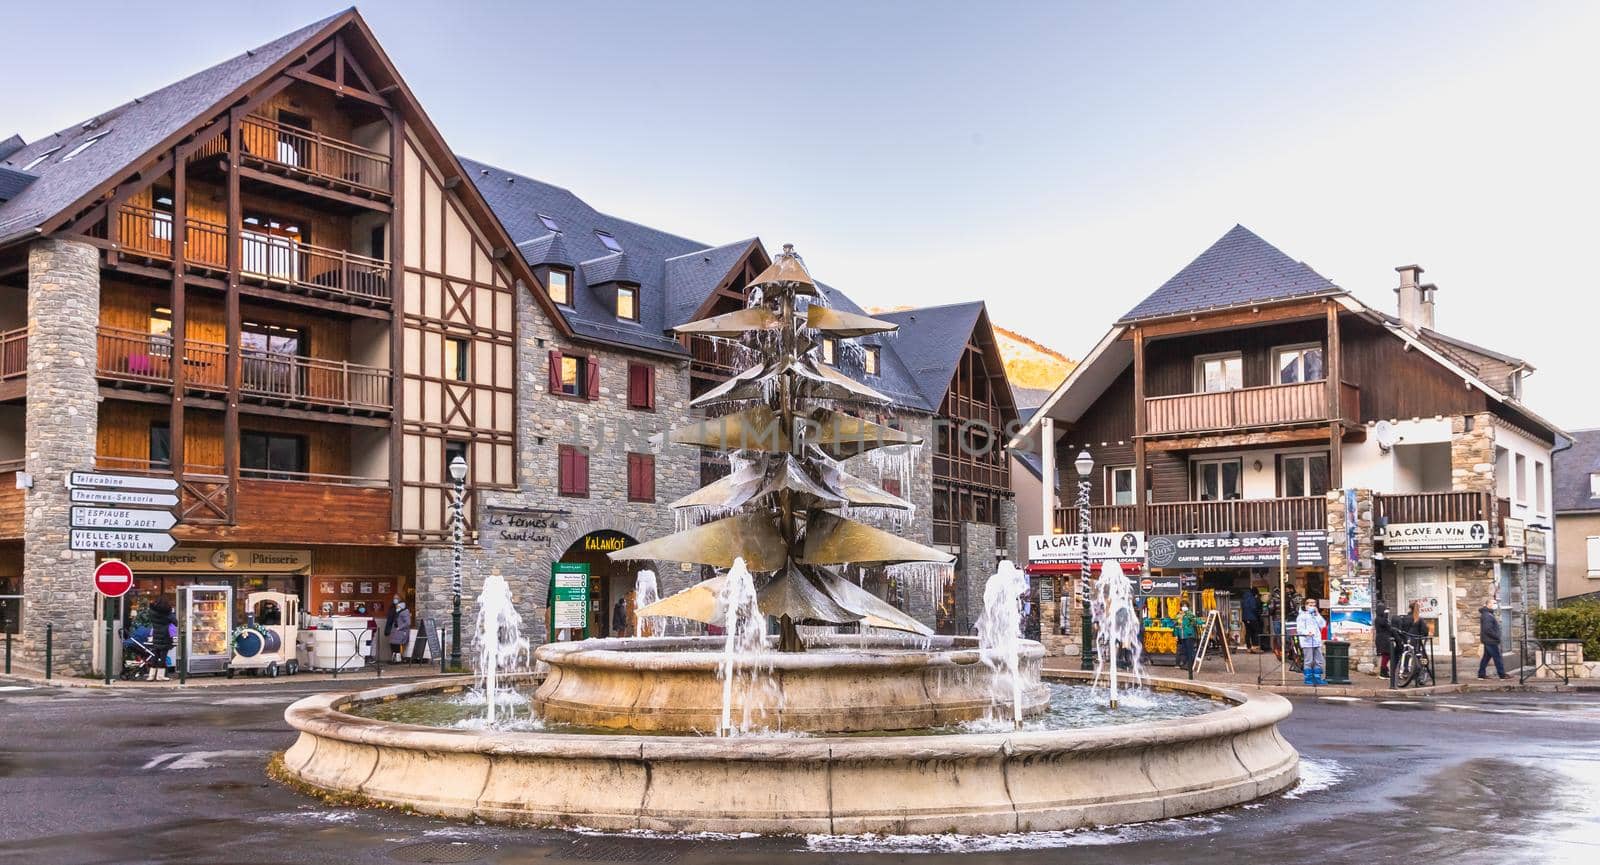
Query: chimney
(1416, 300)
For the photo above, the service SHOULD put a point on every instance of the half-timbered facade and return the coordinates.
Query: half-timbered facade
(1250, 405)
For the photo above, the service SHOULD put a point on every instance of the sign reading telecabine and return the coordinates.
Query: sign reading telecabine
(1253, 550)
(120, 482)
(569, 596)
(1471, 535)
(1103, 547)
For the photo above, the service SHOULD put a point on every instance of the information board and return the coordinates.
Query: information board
(569, 596)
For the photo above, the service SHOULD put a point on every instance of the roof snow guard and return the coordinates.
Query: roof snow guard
(1240, 269)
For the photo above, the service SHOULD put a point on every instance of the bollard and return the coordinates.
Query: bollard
(111, 635)
(442, 653)
(8, 653)
(1453, 679)
(183, 657)
(49, 647)
(377, 649)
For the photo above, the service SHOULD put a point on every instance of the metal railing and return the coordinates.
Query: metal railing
(309, 152)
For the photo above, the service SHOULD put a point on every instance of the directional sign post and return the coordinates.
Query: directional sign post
(122, 518)
(120, 482)
(140, 542)
(128, 513)
(134, 498)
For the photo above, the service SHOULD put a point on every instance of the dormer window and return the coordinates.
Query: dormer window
(1594, 485)
(82, 146)
(549, 222)
(829, 351)
(627, 303)
(559, 285)
(608, 241)
(869, 362)
(34, 162)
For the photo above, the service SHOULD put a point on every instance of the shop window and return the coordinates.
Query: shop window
(559, 285)
(1214, 373)
(1298, 363)
(572, 470)
(272, 455)
(1120, 490)
(627, 303)
(457, 358)
(1218, 480)
(1302, 475)
(574, 375)
(160, 446)
(641, 478)
(642, 386)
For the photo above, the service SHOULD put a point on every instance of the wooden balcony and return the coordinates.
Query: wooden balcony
(311, 156)
(12, 500)
(1280, 405)
(137, 359)
(1182, 518)
(264, 259)
(1448, 507)
(716, 359)
(13, 354)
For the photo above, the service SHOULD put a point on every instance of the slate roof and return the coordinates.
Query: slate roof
(616, 267)
(130, 131)
(13, 181)
(11, 145)
(1572, 469)
(546, 250)
(693, 276)
(1240, 269)
(927, 345)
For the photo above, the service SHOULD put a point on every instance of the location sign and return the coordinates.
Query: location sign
(122, 518)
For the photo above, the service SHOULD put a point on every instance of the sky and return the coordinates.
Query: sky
(1057, 160)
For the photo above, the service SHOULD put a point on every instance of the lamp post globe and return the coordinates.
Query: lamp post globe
(458, 474)
(1085, 466)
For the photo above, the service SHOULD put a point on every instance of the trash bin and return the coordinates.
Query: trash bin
(1338, 657)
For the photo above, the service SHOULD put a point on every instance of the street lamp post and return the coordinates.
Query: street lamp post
(458, 474)
(1085, 464)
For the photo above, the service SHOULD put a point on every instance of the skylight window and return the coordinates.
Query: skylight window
(550, 222)
(609, 241)
(82, 146)
(38, 159)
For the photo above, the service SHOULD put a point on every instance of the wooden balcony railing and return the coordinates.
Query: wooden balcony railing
(266, 258)
(135, 356)
(1274, 405)
(1102, 518)
(13, 353)
(719, 357)
(312, 153)
(1449, 507)
(1182, 518)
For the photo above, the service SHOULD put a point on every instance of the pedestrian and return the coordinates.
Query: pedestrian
(1188, 630)
(162, 623)
(1308, 630)
(1383, 635)
(1489, 632)
(1250, 609)
(619, 618)
(397, 629)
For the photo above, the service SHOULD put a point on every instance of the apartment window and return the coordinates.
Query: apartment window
(559, 284)
(1219, 372)
(1539, 503)
(1303, 475)
(34, 162)
(1522, 479)
(272, 455)
(642, 386)
(641, 478)
(870, 361)
(574, 375)
(457, 358)
(1298, 363)
(572, 471)
(608, 241)
(1594, 485)
(1218, 480)
(1594, 556)
(161, 214)
(627, 303)
(160, 446)
(828, 350)
(549, 222)
(160, 333)
(1119, 489)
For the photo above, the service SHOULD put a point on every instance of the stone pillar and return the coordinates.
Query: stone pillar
(1008, 522)
(62, 416)
(976, 566)
(1472, 453)
(1362, 577)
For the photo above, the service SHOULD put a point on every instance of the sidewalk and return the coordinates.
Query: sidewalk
(364, 677)
(1261, 671)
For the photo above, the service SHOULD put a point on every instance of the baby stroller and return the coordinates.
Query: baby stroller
(139, 657)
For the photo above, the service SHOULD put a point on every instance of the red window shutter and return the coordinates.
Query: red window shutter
(633, 477)
(647, 477)
(635, 386)
(563, 471)
(650, 402)
(591, 387)
(555, 371)
(580, 460)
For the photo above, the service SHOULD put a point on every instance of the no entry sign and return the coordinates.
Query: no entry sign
(113, 579)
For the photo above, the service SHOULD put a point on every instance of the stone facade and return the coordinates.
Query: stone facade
(1472, 453)
(1363, 651)
(62, 418)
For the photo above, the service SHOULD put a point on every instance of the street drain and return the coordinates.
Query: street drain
(440, 852)
(616, 850)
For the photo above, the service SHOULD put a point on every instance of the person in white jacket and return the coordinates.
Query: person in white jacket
(1308, 630)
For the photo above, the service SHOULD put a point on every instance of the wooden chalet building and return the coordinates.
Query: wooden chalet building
(274, 283)
(1249, 404)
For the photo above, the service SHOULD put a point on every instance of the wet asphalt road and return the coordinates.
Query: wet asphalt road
(92, 776)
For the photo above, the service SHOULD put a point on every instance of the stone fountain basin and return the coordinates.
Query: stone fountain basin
(841, 684)
(970, 783)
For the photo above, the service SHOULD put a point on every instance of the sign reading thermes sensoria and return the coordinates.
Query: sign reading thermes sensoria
(132, 498)
(96, 480)
(97, 539)
(122, 518)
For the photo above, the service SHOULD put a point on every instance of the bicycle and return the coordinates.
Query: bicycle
(1414, 666)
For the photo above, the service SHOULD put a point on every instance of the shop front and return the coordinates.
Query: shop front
(612, 599)
(1216, 570)
(1431, 564)
(1055, 589)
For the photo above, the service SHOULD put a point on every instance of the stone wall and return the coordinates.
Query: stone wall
(62, 417)
(1472, 453)
(1363, 650)
(974, 568)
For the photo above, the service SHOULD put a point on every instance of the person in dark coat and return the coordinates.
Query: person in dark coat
(1250, 610)
(162, 621)
(1383, 635)
(1489, 631)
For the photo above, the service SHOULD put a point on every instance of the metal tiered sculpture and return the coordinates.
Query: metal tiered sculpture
(785, 424)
